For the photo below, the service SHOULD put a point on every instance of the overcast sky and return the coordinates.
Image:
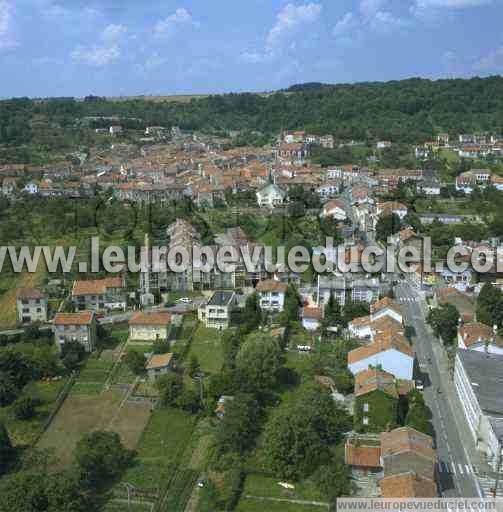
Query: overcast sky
(129, 47)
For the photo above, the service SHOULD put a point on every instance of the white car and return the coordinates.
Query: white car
(185, 300)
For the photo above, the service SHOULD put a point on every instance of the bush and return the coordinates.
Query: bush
(24, 408)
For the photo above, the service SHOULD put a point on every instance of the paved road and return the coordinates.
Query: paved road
(456, 476)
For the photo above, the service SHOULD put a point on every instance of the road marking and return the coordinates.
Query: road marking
(460, 469)
(469, 469)
(454, 468)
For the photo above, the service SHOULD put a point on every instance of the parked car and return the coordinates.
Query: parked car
(185, 300)
(419, 385)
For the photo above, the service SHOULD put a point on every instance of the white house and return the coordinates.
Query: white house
(311, 318)
(216, 313)
(149, 326)
(389, 207)
(478, 380)
(329, 189)
(79, 327)
(366, 328)
(479, 337)
(388, 352)
(386, 307)
(335, 209)
(31, 188)
(158, 365)
(31, 305)
(271, 196)
(272, 295)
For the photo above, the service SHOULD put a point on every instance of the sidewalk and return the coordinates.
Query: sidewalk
(477, 460)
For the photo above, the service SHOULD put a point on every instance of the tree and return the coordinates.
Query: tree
(6, 449)
(231, 342)
(291, 306)
(35, 491)
(333, 315)
(160, 347)
(136, 362)
(170, 387)
(252, 314)
(239, 426)
(334, 479)
(387, 225)
(298, 437)
(258, 362)
(72, 354)
(101, 457)
(193, 365)
(418, 415)
(444, 322)
(490, 306)
(24, 408)
(354, 310)
(188, 400)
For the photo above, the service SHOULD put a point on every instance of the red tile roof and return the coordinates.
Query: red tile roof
(141, 318)
(30, 293)
(359, 455)
(270, 285)
(408, 485)
(81, 318)
(382, 342)
(96, 286)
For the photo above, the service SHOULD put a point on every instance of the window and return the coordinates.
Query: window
(365, 420)
(365, 407)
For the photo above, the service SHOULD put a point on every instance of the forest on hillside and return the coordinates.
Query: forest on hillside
(408, 111)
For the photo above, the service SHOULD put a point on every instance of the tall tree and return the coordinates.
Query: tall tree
(387, 225)
(258, 362)
(444, 321)
(6, 449)
(101, 457)
(297, 439)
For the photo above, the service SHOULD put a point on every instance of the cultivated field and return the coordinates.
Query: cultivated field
(80, 415)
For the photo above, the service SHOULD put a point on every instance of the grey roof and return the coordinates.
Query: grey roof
(221, 298)
(485, 373)
(497, 426)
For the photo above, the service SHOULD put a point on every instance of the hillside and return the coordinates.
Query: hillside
(403, 111)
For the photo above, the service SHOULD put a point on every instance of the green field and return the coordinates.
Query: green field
(84, 413)
(160, 448)
(92, 378)
(251, 505)
(265, 486)
(206, 346)
(26, 432)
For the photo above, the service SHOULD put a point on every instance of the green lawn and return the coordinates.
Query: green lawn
(251, 505)
(143, 348)
(92, 377)
(206, 346)
(161, 447)
(261, 485)
(26, 432)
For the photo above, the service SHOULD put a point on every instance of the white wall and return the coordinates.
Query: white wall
(392, 361)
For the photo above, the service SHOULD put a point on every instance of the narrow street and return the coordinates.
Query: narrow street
(456, 475)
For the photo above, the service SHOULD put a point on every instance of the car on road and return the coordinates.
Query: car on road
(419, 385)
(184, 300)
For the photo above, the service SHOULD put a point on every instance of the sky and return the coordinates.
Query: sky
(164, 47)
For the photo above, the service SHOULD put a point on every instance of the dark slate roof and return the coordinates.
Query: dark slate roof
(485, 373)
(221, 298)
